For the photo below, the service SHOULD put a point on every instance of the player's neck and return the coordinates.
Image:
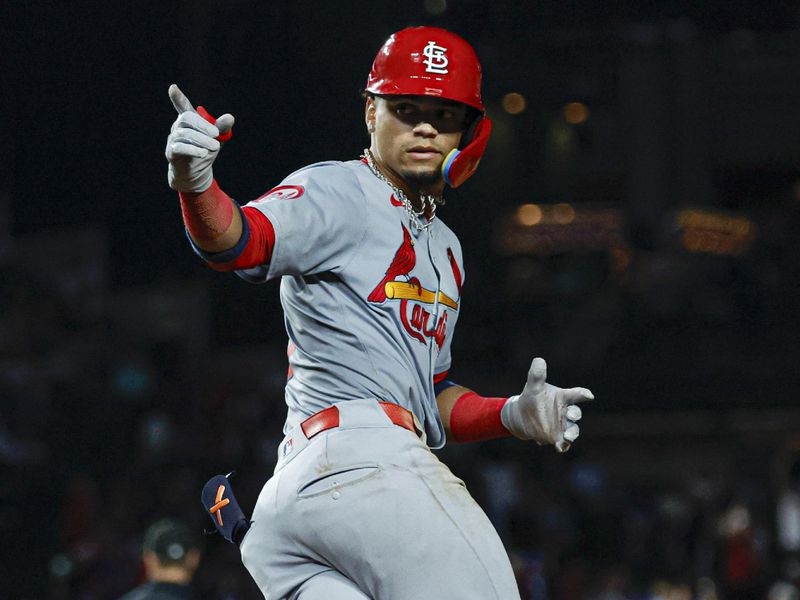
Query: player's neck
(408, 189)
(171, 574)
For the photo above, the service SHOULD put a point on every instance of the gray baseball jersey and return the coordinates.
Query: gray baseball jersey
(365, 510)
(370, 303)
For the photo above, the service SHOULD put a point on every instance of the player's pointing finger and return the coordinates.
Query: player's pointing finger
(577, 394)
(179, 99)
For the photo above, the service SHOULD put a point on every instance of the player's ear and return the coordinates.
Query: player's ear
(151, 562)
(369, 113)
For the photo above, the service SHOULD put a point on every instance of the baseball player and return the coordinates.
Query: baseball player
(371, 281)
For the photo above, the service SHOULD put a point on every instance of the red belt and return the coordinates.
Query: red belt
(329, 418)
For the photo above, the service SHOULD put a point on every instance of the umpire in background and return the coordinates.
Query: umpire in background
(171, 554)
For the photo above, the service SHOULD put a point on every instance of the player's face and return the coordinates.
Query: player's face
(411, 135)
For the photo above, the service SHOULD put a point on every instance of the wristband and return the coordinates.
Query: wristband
(475, 418)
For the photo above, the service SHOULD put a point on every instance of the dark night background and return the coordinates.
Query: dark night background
(636, 224)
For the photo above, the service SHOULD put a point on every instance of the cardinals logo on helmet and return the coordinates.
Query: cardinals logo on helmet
(435, 58)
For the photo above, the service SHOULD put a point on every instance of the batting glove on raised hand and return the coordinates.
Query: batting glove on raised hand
(193, 144)
(544, 412)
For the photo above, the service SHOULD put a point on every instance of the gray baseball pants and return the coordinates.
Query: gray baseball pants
(366, 511)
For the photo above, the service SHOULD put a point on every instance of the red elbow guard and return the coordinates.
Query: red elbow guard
(257, 248)
(253, 249)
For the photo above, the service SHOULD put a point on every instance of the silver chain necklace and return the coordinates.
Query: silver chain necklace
(425, 199)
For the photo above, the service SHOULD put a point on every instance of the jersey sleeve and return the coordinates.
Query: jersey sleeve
(318, 215)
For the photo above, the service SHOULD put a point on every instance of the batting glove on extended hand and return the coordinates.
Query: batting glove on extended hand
(193, 145)
(544, 412)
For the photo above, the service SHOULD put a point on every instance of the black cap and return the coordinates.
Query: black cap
(170, 540)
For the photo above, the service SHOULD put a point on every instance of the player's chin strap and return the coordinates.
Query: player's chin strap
(459, 165)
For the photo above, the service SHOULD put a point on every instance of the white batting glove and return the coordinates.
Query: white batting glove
(191, 145)
(544, 412)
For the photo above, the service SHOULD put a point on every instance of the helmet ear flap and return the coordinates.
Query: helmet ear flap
(469, 133)
(459, 165)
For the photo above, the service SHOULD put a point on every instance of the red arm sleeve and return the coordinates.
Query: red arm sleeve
(209, 214)
(206, 215)
(475, 418)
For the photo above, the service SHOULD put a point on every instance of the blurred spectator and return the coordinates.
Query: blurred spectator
(171, 555)
(740, 554)
(788, 512)
(783, 591)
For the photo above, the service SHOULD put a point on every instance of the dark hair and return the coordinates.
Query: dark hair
(170, 540)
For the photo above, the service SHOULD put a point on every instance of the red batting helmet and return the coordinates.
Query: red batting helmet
(428, 61)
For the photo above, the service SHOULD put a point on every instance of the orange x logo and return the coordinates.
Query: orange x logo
(217, 508)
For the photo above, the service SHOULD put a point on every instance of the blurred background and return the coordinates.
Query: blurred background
(635, 221)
